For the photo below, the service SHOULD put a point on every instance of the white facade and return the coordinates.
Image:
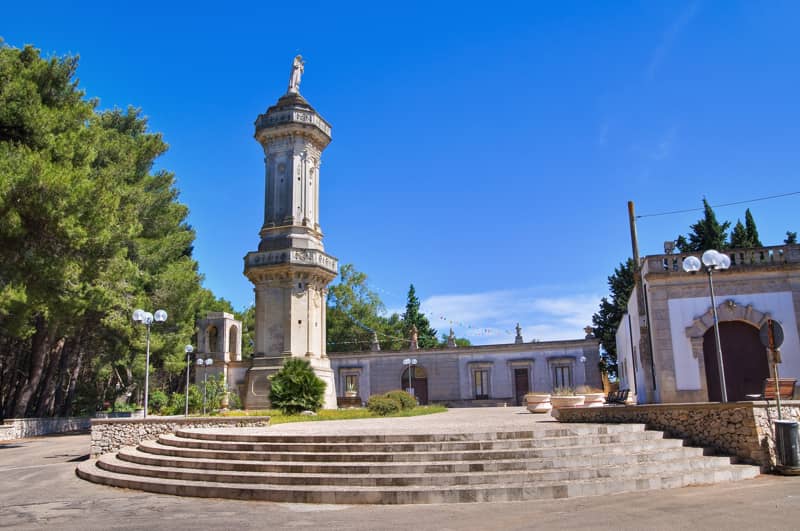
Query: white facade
(761, 284)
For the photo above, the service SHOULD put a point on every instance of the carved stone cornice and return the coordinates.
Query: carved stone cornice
(298, 257)
(290, 122)
(285, 268)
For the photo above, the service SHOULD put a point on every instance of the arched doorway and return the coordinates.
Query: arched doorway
(419, 382)
(744, 357)
(211, 338)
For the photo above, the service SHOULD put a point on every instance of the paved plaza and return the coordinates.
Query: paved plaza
(39, 489)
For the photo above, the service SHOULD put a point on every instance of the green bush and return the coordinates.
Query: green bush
(296, 387)
(157, 401)
(406, 400)
(176, 404)
(234, 401)
(383, 405)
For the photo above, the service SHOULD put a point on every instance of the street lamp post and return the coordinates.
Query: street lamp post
(147, 318)
(713, 261)
(189, 349)
(410, 363)
(205, 363)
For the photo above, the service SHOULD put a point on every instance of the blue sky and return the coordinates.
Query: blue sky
(484, 152)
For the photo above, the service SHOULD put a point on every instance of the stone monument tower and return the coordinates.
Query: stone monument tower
(290, 270)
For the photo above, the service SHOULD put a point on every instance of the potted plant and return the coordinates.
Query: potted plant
(565, 397)
(538, 402)
(593, 397)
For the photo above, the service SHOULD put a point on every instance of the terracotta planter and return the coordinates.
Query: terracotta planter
(566, 401)
(594, 399)
(538, 403)
(351, 394)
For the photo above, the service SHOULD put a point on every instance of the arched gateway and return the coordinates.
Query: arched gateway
(743, 356)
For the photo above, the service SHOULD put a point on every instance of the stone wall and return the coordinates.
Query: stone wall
(35, 427)
(109, 435)
(743, 430)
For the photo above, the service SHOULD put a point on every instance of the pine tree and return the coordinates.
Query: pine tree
(89, 232)
(706, 234)
(412, 317)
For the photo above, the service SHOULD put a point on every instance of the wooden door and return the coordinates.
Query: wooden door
(520, 385)
(744, 357)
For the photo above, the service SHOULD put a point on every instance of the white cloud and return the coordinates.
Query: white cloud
(490, 317)
(670, 35)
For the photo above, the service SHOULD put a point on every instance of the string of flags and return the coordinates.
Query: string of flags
(477, 330)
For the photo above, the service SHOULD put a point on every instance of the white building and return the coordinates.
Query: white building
(672, 318)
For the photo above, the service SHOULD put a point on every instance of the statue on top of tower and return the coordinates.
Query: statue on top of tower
(295, 75)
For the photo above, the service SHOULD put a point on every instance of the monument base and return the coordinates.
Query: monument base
(257, 381)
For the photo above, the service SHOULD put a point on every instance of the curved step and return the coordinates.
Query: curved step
(407, 494)
(401, 478)
(550, 461)
(556, 430)
(138, 455)
(182, 441)
(468, 455)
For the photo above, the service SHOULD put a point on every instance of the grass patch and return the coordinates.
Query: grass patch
(276, 417)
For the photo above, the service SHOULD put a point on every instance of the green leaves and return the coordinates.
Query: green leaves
(88, 232)
(296, 387)
(412, 317)
(608, 317)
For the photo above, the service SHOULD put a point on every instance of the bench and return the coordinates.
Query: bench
(785, 387)
(618, 397)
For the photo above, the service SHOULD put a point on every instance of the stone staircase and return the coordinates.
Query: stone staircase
(550, 461)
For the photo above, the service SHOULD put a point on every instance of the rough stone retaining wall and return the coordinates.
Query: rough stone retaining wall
(109, 435)
(34, 427)
(740, 429)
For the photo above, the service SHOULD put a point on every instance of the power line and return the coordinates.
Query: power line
(716, 206)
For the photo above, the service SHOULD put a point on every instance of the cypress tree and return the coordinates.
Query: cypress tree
(706, 234)
(412, 317)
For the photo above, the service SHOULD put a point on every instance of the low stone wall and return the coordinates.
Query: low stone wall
(35, 427)
(109, 435)
(743, 430)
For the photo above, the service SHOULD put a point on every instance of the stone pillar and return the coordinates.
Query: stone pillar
(290, 270)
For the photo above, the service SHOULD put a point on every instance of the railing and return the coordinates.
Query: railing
(760, 256)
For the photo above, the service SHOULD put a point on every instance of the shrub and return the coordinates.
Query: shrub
(406, 400)
(383, 405)
(157, 401)
(296, 388)
(234, 400)
(563, 391)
